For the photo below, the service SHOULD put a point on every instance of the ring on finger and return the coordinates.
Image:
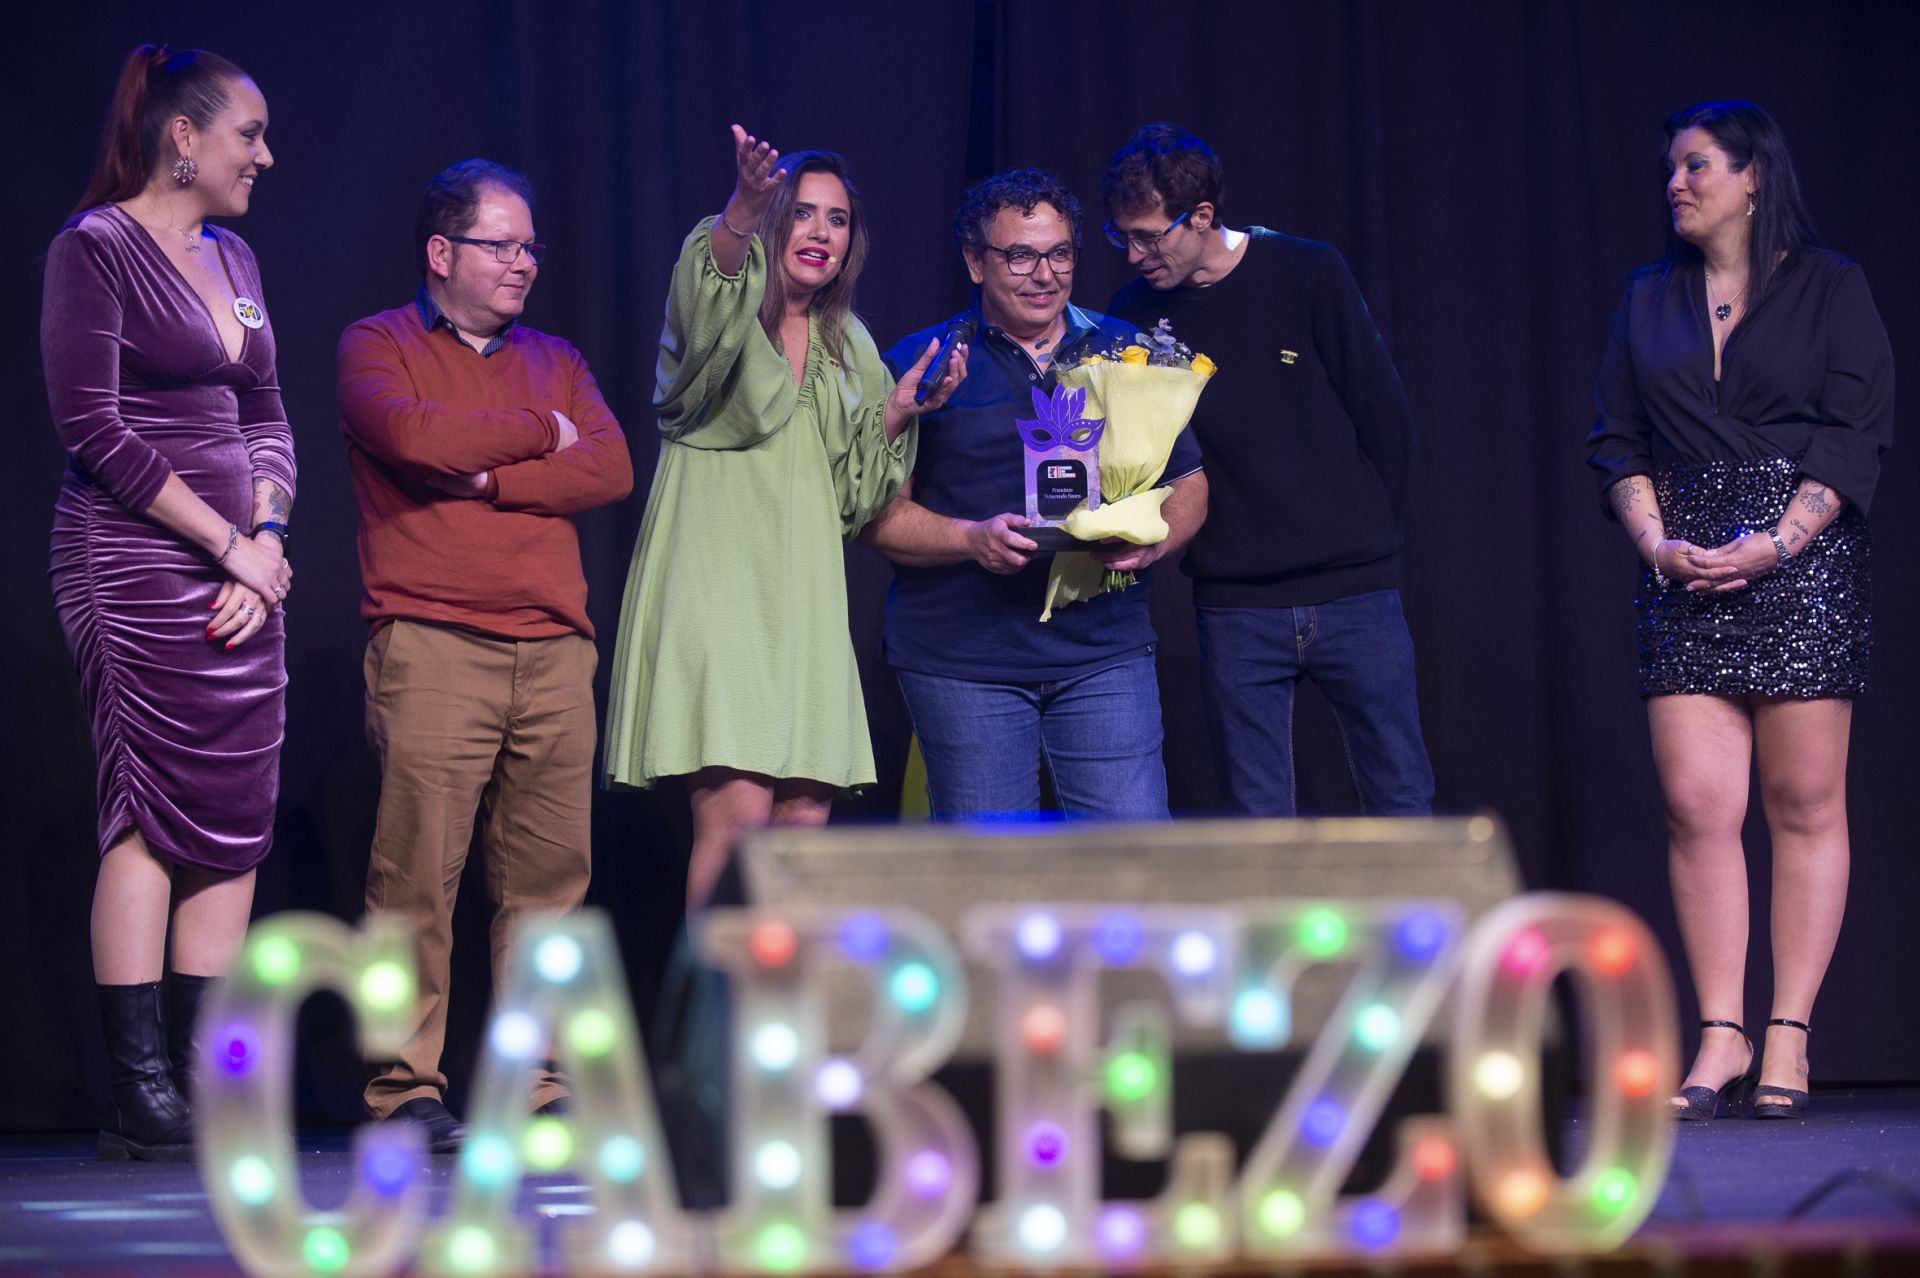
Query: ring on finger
(247, 608)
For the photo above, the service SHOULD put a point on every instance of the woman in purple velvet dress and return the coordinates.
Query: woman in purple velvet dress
(169, 555)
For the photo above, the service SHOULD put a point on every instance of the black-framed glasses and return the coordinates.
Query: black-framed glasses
(1021, 260)
(506, 251)
(1124, 240)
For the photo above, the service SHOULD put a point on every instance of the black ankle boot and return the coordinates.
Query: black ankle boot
(184, 996)
(148, 1118)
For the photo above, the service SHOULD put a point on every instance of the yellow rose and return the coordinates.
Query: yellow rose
(1201, 364)
(1093, 359)
(1134, 355)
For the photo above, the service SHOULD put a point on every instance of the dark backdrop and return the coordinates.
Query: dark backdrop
(1490, 171)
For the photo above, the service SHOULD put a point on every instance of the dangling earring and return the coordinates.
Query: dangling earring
(1749, 206)
(186, 169)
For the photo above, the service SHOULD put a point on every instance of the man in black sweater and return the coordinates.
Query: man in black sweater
(1308, 440)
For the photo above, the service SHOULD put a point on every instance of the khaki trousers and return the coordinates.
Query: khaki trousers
(463, 724)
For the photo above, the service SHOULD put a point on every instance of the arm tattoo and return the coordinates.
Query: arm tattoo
(279, 504)
(1804, 530)
(1816, 500)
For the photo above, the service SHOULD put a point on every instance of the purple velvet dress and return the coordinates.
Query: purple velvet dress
(187, 733)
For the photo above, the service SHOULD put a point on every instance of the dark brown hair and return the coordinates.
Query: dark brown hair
(834, 302)
(452, 200)
(1780, 223)
(157, 84)
(1163, 160)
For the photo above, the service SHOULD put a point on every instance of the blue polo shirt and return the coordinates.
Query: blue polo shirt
(959, 620)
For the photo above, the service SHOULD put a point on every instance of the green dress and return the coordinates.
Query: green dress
(733, 647)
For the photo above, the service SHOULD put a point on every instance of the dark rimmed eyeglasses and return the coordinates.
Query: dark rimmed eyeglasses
(1124, 240)
(506, 251)
(1022, 260)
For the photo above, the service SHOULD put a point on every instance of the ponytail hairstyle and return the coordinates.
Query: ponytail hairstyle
(157, 84)
(834, 302)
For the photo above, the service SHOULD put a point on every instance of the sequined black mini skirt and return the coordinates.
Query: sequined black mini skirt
(1802, 630)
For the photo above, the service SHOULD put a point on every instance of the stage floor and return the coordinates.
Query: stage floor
(1843, 1183)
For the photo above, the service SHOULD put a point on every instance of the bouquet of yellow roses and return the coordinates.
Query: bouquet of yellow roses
(1146, 391)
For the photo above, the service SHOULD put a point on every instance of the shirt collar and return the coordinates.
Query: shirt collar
(1079, 323)
(431, 317)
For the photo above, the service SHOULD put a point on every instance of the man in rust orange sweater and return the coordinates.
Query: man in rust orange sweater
(472, 441)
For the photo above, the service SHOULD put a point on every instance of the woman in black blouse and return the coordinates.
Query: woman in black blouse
(1745, 399)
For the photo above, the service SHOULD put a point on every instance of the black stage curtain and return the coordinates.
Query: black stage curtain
(1489, 170)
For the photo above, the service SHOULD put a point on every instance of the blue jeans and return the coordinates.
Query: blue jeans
(1099, 735)
(1357, 650)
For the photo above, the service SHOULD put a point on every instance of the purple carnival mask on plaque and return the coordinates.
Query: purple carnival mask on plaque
(1057, 422)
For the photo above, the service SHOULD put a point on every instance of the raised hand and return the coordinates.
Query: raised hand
(755, 176)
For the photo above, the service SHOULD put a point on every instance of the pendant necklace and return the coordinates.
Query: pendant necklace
(1722, 310)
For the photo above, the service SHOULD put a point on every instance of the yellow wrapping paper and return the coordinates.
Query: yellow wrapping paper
(1146, 408)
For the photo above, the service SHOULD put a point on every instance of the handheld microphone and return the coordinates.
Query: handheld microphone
(958, 332)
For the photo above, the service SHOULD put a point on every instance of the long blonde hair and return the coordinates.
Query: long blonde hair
(833, 303)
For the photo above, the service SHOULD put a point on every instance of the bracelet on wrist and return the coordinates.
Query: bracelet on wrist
(233, 539)
(278, 529)
(1653, 561)
(1779, 547)
(721, 218)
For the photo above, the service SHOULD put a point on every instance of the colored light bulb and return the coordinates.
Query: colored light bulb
(1636, 1074)
(237, 1049)
(1259, 1017)
(630, 1244)
(1118, 938)
(592, 1031)
(1433, 1158)
(1373, 1224)
(780, 1248)
(386, 985)
(1196, 1226)
(776, 1165)
(622, 1159)
(1614, 1191)
(515, 1035)
(1324, 1122)
(274, 960)
(1522, 1193)
(1526, 953)
(1610, 951)
(1042, 1228)
(1038, 937)
(1420, 936)
(1281, 1213)
(914, 987)
(325, 1250)
(863, 937)
(1046, 1144)
(488, 1159)
(386, 1166)
(1498, 1076)
(1131, 1077)
(548, 1144)
(872, 1246)
(558, 959)
(1043, 1028)
(928, 1174)
(1377, 1027)
(1121, 1232)
(775, 1046)
(1322, 932)
(251, 1179)
(1193, 954)
(838, 1085)
(772, 943)
(472, 1249)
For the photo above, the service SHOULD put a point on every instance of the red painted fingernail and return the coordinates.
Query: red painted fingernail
(209, 632)
(229, 643)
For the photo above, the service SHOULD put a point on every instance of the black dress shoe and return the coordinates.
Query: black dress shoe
(444, 1131)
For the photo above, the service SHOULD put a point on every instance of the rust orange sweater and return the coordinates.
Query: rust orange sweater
(416, 402)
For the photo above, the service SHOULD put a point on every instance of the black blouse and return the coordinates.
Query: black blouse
(1808, 373)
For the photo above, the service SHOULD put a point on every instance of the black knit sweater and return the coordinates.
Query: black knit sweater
(1305, 430)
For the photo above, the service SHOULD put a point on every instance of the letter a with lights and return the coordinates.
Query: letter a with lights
(565, 999)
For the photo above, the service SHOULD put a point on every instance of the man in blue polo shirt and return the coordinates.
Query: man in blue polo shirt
(993, 691)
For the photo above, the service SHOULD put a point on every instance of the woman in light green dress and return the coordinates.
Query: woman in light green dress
(782, 436)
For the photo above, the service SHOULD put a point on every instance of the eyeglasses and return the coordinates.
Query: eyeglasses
(1135, 239)
(1021, 260)
(507, 251)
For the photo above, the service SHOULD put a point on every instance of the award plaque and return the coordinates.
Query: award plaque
(1062, 464)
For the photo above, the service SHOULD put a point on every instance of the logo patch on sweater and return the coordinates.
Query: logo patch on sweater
(1289, 357)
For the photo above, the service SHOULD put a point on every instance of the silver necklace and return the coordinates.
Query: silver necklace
(1722, 310)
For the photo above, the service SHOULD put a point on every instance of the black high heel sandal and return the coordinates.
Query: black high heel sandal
(1796, 1103)
(1703, 1103)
